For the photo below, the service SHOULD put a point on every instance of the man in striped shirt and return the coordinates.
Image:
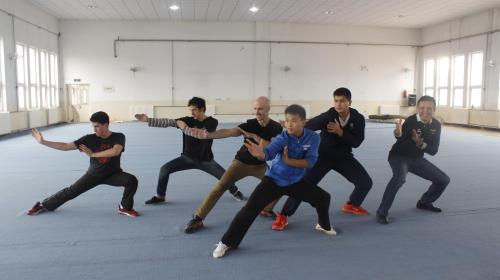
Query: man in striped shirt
(196, 153)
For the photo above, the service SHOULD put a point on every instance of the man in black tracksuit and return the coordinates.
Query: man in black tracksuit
(342, 128)
(419, 134)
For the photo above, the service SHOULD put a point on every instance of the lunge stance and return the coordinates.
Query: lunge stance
(419, 134)
(292, 152)
(342, 128)
(260, 130)
(104, 148)
(196, 153)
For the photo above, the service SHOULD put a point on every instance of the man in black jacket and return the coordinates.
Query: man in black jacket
(419, 134)
(342, 128)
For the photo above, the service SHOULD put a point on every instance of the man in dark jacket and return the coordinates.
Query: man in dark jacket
(419, 134)
(342, 128)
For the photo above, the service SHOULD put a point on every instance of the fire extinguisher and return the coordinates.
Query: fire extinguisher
(405, 94)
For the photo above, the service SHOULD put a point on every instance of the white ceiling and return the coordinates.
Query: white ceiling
(390, 13)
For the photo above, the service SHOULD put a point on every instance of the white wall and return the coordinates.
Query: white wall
(489, 44)
(16, 29)
(230, 75)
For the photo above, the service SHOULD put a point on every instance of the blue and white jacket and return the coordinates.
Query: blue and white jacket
(304, 147)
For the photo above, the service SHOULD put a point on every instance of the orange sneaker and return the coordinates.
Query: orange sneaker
(280, 223)
(356, 210)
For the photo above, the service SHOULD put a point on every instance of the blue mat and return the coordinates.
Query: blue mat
(87, 239)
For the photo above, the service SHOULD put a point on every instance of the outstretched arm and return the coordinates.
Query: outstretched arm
(218, 134)
(158, 122)
(224, 133)
(54, 145)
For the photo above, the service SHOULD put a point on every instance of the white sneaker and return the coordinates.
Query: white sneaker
(330, 232)
(220, 251)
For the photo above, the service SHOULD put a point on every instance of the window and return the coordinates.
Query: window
(443, 68)
(21, 64)
(54, 80)
(44, 79)
(458, 80)
(476, 79)
(3, 105)
(429, 77)
(79, 94)
(34, 79)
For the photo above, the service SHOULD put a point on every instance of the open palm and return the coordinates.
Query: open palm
(141, 117)
(37, 135)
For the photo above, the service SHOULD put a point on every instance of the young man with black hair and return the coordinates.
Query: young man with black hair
(292, 152)
(260, 130)
(196, 153)
(342, 128)
(104, 148)
(419, 134)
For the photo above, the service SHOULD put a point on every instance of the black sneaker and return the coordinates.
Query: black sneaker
(36, 209)
(195, 224)
(428, 207)
(381, 219)
(155, 200)
(239, 196)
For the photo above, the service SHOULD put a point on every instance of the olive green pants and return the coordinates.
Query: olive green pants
(235, 172)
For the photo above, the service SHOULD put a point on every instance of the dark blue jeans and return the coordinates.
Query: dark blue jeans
(421, 167)
(349, 167)
(184, 163)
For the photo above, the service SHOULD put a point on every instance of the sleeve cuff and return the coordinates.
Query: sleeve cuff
(310, 163)
(266, 155)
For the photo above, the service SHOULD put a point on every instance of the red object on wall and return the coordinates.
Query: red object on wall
(405, 94)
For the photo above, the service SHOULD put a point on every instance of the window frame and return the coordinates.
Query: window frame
(438, 86)
(34, 78)
(54, 80)
(471, 87)
(426, 69)
(463, 87)
(22, 106)
(3, 97)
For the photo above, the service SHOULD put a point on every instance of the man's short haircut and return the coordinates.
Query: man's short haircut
(296, 109)
(343, 92)
(198, 103)
(427, 98)
(100, 117)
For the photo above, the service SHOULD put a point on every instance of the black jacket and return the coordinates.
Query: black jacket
(331, 144)
(431, 133)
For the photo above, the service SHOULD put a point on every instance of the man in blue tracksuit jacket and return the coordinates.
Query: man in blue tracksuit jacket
(292, 152)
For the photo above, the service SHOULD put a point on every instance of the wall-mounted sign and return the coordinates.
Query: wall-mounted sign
(109, 89)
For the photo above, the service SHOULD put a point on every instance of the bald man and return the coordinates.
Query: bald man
(259, 130)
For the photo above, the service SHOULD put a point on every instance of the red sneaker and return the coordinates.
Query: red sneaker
(356, 210)
(36, 209)
(280, 223)
(128, 212)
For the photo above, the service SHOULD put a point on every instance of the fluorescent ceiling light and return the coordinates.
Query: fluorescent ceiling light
(254, 9)
(174, 7)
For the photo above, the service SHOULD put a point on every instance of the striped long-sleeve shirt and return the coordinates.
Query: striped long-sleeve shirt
(161, 122)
